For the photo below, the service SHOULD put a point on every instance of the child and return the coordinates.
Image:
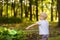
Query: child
(43, 26)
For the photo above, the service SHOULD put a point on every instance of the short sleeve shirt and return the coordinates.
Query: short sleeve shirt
(43, 27)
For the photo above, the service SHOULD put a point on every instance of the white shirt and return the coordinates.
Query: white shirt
(43, 27)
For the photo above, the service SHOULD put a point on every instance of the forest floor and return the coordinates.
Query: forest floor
(54, 29)
(55, 38)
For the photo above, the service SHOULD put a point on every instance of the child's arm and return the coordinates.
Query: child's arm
(31, 25)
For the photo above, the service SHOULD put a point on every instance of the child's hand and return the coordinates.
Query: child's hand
(27, 28)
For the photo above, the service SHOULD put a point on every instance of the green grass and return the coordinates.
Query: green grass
(55, 38)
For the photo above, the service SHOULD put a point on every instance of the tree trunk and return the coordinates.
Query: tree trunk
(21, 9)
(42, 5)
(52, 10)
(37, 10)
(30, 5)
(26, 12)
(58, 8)
(56, 15)
(13, 8)
(0, 12)
(1, 9)
(15, 12)
(7, 8)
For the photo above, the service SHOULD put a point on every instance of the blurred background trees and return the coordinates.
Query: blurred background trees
(29, 9)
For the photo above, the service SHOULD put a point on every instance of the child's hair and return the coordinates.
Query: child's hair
(44, 15)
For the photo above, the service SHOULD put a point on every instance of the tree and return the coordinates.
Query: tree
(36, 9)
(6, 7)
(42, 5)
(1, 9)
(21, 9)
(52, 10)
(56, 15)
(58, 8)
(26, 9)
(56, 11)
(15, 12)
(30, 6)
(13, 8)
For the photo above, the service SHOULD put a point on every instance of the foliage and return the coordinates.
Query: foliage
(7, 34)
(7, 20)
(12, 34)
